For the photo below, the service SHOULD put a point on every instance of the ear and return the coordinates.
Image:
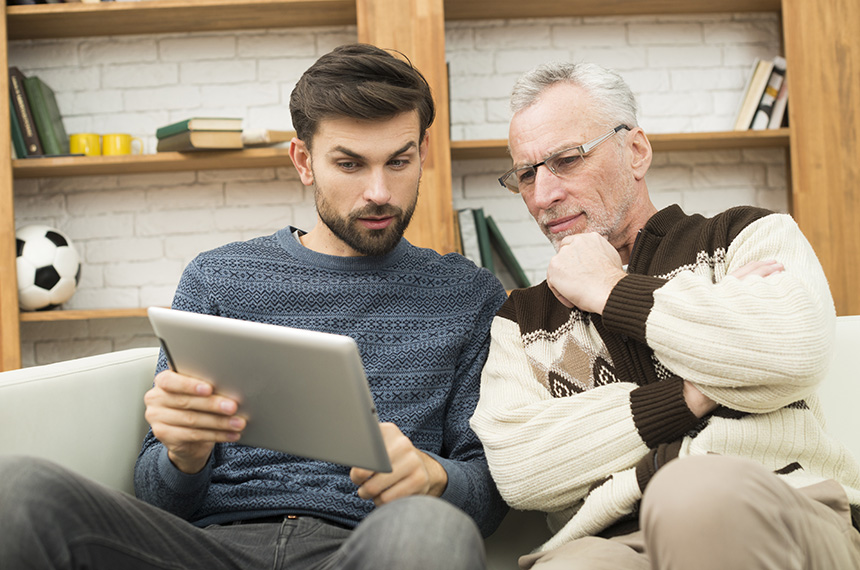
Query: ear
(424, 148)
(301, 158)
(640, 148)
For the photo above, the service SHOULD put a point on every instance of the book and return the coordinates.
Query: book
(260, 137)
(200, 140)
(46, 116)
(752, 96)
(506, 254)
(23, 114)
(469, 235)
(761, 120)
(483, 239)
(18, 144)
(199, 124)
(779, 106)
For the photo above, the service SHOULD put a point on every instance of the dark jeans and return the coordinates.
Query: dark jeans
(52, 518)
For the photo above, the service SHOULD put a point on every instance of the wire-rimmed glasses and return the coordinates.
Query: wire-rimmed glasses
(562, 164)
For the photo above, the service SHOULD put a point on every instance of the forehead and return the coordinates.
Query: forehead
(560, 118)
(367, 137)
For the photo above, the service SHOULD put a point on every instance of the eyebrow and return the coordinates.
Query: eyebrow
(547, 155)
(352, 154)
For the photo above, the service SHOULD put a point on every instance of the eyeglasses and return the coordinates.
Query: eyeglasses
(562, 164)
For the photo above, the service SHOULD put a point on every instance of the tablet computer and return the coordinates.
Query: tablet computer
(303, 392)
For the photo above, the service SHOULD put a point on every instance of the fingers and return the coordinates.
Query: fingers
(763, 268)
(188, 418)
(408, 476)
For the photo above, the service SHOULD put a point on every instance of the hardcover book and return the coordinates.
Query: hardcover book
(755, 89)
(199, 124)
(23, 114)
(18, 145)
(761, 120)
(200, 140)
(46, 115)
(469, 235)
(509, 260)
(483, 239)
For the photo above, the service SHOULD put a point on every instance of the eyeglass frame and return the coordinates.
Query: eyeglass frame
(584, 150)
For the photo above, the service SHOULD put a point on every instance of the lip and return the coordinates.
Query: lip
(563, 224)
(376, 223)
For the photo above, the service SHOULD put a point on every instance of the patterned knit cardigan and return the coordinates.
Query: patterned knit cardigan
(577, 411)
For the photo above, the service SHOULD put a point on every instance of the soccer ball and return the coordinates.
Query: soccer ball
(49, 268)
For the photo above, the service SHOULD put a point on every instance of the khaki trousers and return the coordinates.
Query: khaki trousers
(722, 513)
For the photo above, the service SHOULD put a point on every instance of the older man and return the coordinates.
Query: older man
(658, 335)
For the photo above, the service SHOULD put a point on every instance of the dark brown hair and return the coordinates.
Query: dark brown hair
(359, 81)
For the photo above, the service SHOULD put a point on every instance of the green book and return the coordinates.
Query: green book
(18, 144)
(500, 244)
(46, 115)
(199, 124)
(483, 239)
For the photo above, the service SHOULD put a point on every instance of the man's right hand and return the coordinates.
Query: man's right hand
(189, 419)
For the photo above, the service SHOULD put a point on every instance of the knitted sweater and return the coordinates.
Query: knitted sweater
(578, 411)
(421, 322)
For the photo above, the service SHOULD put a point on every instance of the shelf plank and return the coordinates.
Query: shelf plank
(45, 167)
(167, 16)
(490, 9)
(80, 315)
(725, 140)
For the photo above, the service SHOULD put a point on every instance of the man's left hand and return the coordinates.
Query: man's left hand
(584, 271)
(413, 472)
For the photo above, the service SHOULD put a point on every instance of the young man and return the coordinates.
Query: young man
(656, 336)
(421, 321)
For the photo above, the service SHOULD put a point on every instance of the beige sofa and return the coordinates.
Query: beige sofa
(87, 414)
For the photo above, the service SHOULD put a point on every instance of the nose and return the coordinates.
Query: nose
(548, 189)
(377, 190)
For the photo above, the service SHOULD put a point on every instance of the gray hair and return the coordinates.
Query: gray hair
(613, 101)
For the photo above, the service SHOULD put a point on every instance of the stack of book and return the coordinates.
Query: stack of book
(36, 124)
(200, 133)
(482, 241)
(765, 97)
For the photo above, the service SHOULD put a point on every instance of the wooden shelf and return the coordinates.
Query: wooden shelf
(775, 138)
(166, 16)
(80, 315)
(160, 162)
(490, 9)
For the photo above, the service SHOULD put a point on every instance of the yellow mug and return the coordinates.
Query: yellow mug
(85, 143)
(117, 143)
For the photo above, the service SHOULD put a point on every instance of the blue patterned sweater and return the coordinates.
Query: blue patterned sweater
(421, 322)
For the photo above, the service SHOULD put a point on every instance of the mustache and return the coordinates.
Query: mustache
(377, 210)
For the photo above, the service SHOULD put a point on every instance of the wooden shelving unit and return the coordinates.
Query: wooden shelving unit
(822, 140)
(776, 138)
(50, 167)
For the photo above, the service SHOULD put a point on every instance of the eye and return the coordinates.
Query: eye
(525, 176)
(347, 165)
(398, 163)
(566, 162)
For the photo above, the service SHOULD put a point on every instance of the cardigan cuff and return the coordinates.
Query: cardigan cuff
(654, 460)
(629, 304)
(660, 412)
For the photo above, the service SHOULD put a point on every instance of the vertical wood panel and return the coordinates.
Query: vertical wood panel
(417, 28)
(822, 44)
(10, 337)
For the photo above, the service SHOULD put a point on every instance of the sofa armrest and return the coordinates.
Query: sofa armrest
(85, 414)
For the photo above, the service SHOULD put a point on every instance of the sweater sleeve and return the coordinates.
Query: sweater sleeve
(545, 452)
(470, 485)
(156, 479)
(754, 344)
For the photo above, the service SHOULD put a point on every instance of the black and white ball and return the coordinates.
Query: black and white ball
(49, 268)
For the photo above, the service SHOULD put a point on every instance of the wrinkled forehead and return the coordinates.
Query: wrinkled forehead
(560, 118)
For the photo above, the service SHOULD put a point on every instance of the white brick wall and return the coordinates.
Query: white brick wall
(136, 232)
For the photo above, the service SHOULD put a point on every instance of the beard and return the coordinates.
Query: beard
(607, 222)
(350, 231)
